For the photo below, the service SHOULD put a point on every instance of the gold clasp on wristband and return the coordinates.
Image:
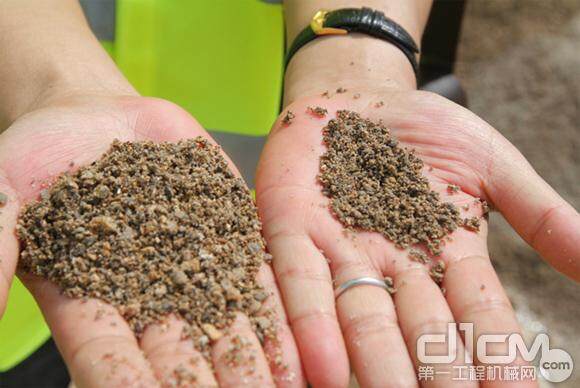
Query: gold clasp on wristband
(317, 25)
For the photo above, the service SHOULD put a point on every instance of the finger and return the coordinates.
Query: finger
(422, 309)
(174, 359)
(479, 299)
(281, 351)
(535, 210)
(97, 345)
(238, 358)
(306, 286)
(289, 206)
(369, 322)
(9, 205)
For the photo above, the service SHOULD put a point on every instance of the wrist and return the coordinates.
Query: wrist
(58, 84)
(52, 79)
(49, 52)
(354, 62)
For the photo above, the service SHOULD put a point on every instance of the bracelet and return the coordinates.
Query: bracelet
(364, 20)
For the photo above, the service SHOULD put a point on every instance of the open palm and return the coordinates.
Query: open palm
(313, 253)
(97, 345)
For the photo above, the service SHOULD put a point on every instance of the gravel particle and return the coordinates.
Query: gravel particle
(102, 191)
(254, 248)
(261, 296)
(288, 117)
(390, 285)
(485, 207)
(211, 331)
(437, 272)
(317, 111)
(103, 224)
(472, 223)
(263, 322)
(453, 189)
(178, 277)
(418, 256)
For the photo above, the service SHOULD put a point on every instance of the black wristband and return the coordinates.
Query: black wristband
(365, 21)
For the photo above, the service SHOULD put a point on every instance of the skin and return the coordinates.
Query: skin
(63, 100)
(312, 253)
(62, 103)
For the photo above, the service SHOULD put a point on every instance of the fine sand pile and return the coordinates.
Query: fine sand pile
(153, 229)
(376, 185)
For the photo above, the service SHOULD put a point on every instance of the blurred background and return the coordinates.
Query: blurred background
(519, 62)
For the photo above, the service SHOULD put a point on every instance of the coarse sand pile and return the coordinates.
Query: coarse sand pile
(153, 229)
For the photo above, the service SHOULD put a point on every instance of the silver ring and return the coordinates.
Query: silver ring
(364, 281)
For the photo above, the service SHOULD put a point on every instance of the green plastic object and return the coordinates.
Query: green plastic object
(221, 60)
(22, 330)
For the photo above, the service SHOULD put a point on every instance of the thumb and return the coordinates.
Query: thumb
(9, 205)
(544, 219)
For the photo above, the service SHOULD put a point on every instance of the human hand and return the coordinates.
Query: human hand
(71, 131)
(312, 254)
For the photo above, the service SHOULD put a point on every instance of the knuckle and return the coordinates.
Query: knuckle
(102, 341)
(498, 306)
(415, 271)
(284, 233)
(297, 272)
(170, 348)
(453, 262)
(345, 270)
(357, 327)
(428, 326)
(310, 315)
(456, 266)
